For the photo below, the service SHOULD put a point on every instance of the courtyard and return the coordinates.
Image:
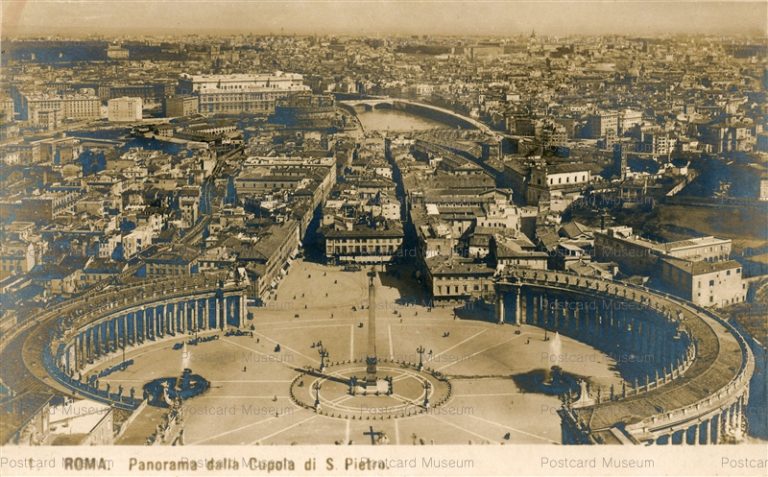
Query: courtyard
(323, 307)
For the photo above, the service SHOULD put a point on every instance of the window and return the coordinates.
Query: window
(711, 283)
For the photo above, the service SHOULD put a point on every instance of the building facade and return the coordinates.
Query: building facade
(181, 105)
(563, 179)
(37, 107)
(241, 93)
(363, 244)
(638, 256)
(601, 123)
(457, 279)
(703, 283)
(124, 109)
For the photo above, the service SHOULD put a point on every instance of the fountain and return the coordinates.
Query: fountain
(183, 382)
(166, 392)
(551, 380)
(184, 357)
(553, 375)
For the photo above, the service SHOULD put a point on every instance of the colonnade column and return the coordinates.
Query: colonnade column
(181, 316)
(205, 310)
(151, 319)
(96, 341)
(116, 330)
(530, 308)
(155, 323)
(92, 342)
(103, 330)
(135, 330)
(160, 321)
(243, 310)
(99, 340)
(125, 330)
(79, 350)
(221, 309)
(556, 312)
(109, 333)
(107, 336)
(574, 321)
(144, 324)
(83, 349)
(500, 308)
(206, 320)
(100, 333)
(518, 306)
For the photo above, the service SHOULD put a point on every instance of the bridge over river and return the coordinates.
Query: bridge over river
(429, 111)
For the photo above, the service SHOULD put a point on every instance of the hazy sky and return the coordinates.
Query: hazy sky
(647, 17)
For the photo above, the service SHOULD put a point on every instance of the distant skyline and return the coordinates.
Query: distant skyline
(385, 17)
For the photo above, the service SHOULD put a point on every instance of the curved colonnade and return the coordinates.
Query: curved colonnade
(64, 347)
(686, 372)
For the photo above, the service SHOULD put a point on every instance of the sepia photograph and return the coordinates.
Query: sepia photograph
(391, 237)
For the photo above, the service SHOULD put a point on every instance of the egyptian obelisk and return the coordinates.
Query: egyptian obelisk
(370, 360)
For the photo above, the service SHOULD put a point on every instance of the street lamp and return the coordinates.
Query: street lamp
(420, 350)
(323, 356)
(317, 387)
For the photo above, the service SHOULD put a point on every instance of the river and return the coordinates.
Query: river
(396, 121)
